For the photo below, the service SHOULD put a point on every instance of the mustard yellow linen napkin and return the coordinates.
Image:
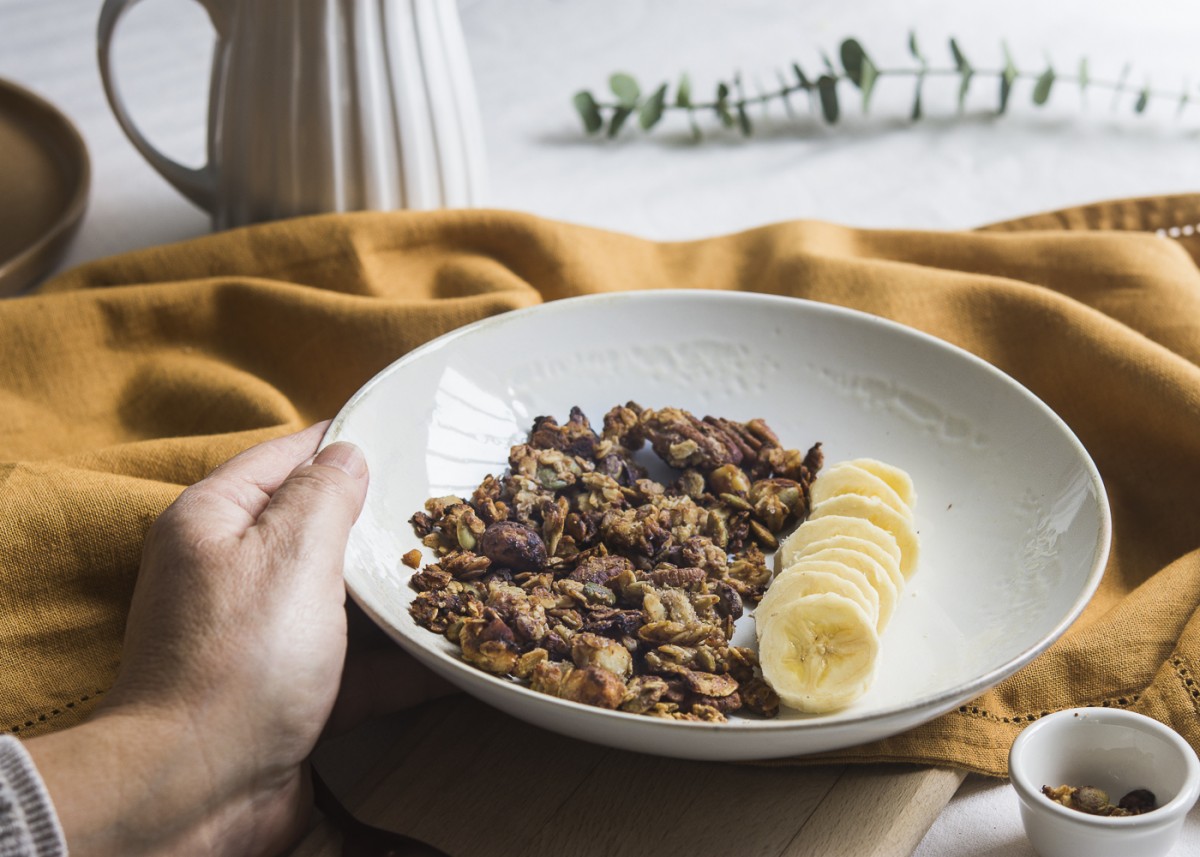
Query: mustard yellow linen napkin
(129, 378)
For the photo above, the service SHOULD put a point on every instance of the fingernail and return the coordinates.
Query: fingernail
(344, 456)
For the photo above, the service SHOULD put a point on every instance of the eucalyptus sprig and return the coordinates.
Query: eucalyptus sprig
(731, 105)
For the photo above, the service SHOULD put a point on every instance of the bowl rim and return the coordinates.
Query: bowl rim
(46, 124)
(938, 702)
(1031, 793)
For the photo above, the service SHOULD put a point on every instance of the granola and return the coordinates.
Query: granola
(1094, 801)
(578, 575)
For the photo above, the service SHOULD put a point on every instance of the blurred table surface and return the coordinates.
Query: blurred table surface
(947, 171)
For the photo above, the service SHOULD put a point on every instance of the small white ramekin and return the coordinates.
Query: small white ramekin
(1114, 750)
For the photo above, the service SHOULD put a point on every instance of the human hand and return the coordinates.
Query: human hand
(234, 656)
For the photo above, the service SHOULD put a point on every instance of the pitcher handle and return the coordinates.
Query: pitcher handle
(198, 185)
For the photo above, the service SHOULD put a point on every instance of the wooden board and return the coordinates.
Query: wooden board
(477, 783)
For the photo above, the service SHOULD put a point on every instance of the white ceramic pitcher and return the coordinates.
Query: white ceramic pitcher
(326, 105)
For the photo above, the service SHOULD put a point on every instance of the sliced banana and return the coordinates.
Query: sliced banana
(863, 546)
(818, 529)
(887, 593)
(818, 652)
(838, 581)
(897, 479)
(813, 576)
(878, 513)
(847, 478)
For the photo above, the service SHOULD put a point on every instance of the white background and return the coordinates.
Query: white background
(948, 171)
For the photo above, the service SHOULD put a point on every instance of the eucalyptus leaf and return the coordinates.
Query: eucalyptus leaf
(859, 69)
(1084, 76)
(827, 89)
(740, 90)
(916, 108)
(913, 49)
(1007, 77)
(722, 105)
(651, 110)
(800, 76)
(625, 88)
(966, 72)
(683, 92)
(828, 64)
(1143, 100)
(853, 56)
(744, 119)
(1041, 89)
(618, 119)
(870, 76)
(588, 111)
(696, 135)
(963, 85)
(960, 59)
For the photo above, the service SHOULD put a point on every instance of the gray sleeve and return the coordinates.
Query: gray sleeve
(28, 824)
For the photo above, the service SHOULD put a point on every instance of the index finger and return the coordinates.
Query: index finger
(248, 480)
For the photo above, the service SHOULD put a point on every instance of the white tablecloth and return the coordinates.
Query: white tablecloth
(529, 56)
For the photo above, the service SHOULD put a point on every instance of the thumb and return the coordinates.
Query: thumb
(310, 514)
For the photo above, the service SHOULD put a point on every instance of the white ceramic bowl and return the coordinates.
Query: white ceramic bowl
(1114, 750)
(1012, 515)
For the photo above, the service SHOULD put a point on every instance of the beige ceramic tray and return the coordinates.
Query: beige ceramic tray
(44, 177)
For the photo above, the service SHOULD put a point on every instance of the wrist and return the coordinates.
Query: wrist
(132, 782)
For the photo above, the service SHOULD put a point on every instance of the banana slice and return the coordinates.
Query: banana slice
(818, 652)
(887, 594)
(837, 583)
(812, 577)
(814, 530)
(897, 479)
(871, 549)
(847, 478)
(878, 513)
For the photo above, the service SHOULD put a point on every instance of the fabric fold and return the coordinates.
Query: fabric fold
(129, 378)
